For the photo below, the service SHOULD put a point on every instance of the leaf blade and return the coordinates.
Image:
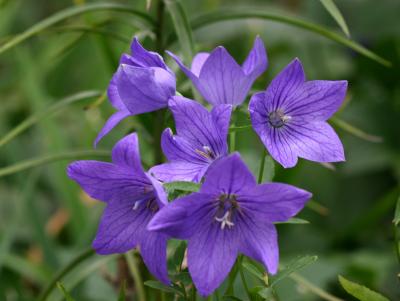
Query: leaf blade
(334, 11)
(360, 292)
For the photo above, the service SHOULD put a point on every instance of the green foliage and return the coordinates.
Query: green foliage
(332, 9)
(65, 293)
(362, 293)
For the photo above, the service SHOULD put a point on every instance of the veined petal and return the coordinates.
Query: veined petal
(222, 79)
(211, 255)
(121, 227)
(274, 202)
(256, 62)
(126, 153)
(282, 90)
(317, 100)
(153, 249)
(196, 124)
(113, 96)
(221, 115)
(145, 58)
(106, 181)
(144, 89)
(159, 191)
(198, 62)
(260, 242)
(192, 76)
(180, 218)
(112, 122)
(179, 171)
(228, 175)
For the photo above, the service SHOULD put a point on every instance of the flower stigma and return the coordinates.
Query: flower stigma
(227, 205)
(278, 118)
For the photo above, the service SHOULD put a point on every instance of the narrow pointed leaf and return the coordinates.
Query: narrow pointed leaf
(355, 131)
(122, 292)
(360, 292)
(182, 186)
(36, 162)
(396, 219)
(219, 16)
(333, 10)
(67, 296)
(295, 220)
(162, 287)
(53, 109)
(73, 12)
(254, 270)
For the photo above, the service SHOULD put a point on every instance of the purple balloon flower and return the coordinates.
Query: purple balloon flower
(133, 197)
(230, 214)
(142, 83)
(220, 79)
(290, 117)
(201, 139)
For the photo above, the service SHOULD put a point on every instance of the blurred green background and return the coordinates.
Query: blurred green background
(45, 220)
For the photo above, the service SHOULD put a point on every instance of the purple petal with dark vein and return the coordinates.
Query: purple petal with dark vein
(161, 195)
(112, 122)
(121, 227)
(274, 202)
(198, 62)
(113, 96)
(179, 171)
(106, 181)
(193, 77)
(257, 61)
(228, 175)
(153, 249)
(126, 153)
(221, 115)
(317, 100)
(145, 58)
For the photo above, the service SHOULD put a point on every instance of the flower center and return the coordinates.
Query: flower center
(278, 118)
(150, 203)
(206, 152)
(227, 205)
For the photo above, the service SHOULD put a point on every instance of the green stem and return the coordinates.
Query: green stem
(68, 268)
(262, 164)
(246, 288)
(397, 242)
(232, 137)
(133, 268)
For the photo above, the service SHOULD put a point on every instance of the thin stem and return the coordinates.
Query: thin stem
(246, 288)
(232, 138)
(64, 271)
(133, 268)
(262, 164)
(397, 242)
(316, 290)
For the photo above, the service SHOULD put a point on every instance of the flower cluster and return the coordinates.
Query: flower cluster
(231, 213)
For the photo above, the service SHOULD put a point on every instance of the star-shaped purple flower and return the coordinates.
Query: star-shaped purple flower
(230, 214)
(221, 80)
(201, 139)
(133, 197)
(142, 83)
(290, 117)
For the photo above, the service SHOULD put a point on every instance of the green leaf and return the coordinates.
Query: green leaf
(179, 253)
(396, 219)
(67, 296)
(239, 128)
(360, 292)
(293, 267)
(355, 131)
(122, 292)
(55, 108)
(266, 293)
(162, 287)
(333, 10)
(36, 162)
(182, 28)
(254, 270)
(231, 298)
(73, 12)
(182, 186)
(220, 16)
(295, 220)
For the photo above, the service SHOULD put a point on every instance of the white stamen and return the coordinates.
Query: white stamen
(224, 221)
(136, 205)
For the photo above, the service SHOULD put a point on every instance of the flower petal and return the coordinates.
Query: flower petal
(257, 61)
(126, 153)
(121, 227)
(317, 100)
(198, 62)
(222, 80)
(144, 89)
(228, 175)
(106, 181)
(282, 90)
(145, 58)
(196, 124)
(211, 254)
(159, 191)
(154, 253)
(113, 96)
(221, 115)
(179, 219)
(112, 122)
(260, 242)
(179, 171)
(193, 77)
(274, 202)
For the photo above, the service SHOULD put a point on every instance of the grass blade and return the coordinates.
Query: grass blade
(220, 16)
(72, 12)
(36, 162)
(361, 292)
(67, 296)
(57, 107)
(333, 10)
(355, 131)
